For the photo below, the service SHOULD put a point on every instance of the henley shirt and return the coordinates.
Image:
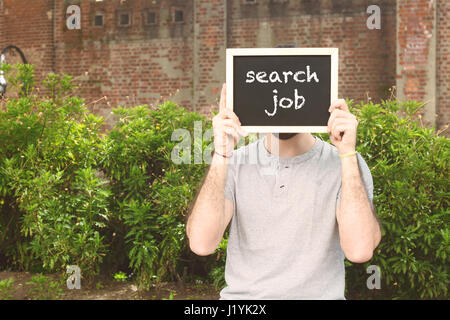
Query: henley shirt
(283, 239)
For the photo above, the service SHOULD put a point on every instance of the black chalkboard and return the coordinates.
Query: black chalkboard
(282, 91)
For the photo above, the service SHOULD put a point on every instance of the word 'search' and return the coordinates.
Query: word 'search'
(274, 77)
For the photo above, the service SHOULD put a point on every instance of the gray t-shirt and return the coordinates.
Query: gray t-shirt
(283, 240)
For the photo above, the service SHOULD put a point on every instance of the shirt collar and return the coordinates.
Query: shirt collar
(266, 156)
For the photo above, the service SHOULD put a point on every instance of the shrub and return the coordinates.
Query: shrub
(70, 196)
(151, 193)
(54, 203)
(409, 166)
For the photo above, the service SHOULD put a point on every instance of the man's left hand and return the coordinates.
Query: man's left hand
(342, 127)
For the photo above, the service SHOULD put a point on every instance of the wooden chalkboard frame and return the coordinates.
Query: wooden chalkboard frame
(332, 52)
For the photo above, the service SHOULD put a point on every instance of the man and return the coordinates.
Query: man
(292, 225)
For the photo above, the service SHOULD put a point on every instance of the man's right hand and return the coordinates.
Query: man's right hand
(227, 128)
(212, 212)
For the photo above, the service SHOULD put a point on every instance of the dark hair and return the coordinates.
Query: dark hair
(287, 45)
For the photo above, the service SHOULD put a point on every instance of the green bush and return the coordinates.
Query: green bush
(151, 194)
(53, 202)
(72, 195)
(409, 166)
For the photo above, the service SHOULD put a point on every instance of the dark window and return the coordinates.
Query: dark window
(98, 20)
(151, 18)
(178, 15)
(124, 19)
(249, 1)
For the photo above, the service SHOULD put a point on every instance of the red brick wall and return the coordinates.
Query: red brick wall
(210, 48)
(366, 57)
(186, 62)
(2, 20)
(415, 24)
(443, 63)
(128, 65)
(28, 25)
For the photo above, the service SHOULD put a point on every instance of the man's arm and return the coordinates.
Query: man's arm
(212, 212)
(359, 230)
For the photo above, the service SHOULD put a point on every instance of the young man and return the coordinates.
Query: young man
(295, 212)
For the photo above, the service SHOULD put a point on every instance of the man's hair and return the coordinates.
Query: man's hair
(286, 45)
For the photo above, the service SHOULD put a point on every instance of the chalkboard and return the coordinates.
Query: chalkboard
(282, 89)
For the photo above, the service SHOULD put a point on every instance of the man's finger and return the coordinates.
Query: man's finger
(344, 120)
(236, 126)
(231, 115)
(338, 104)
(242, 131)
(340, 128)
(341, 121)
(336, 133)
(231, 123)
(232, 132)
(337, 113)
(339, 125)
(223, 98)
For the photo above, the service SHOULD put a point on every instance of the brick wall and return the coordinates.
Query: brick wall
(210, 45)
(140, 64)
(28, 25)
(416, 64)
(2, 20)
(366, 57)
(129, 65)
(443, 63)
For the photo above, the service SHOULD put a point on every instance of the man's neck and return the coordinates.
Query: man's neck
(295, 146)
